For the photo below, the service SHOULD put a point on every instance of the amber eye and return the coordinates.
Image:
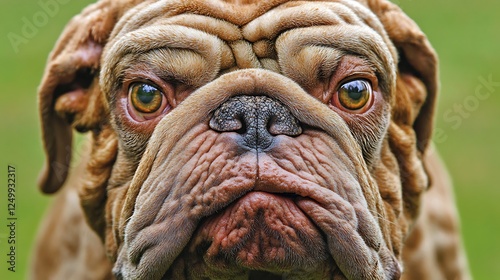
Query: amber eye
(354, 95)
(145, 98)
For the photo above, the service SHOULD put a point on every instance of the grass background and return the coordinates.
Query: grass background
(466, 35)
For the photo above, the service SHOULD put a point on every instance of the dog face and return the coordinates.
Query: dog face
(242, 140)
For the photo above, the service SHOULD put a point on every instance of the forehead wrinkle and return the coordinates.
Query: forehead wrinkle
(135, 18)
(288, 16)
(157, 37)
(181, 65)
(235, 13)
(244, 55)
(223, 29)
(243, 13)
(370, 19)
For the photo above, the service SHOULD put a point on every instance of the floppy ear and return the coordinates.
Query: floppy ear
(69, 95)
(417, 81)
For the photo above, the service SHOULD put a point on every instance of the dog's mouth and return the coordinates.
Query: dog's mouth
(261, 234)
(262, 231)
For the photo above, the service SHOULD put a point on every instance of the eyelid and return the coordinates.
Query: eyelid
(128, 82)
(354, 80)
(366, 76)
(165, 86)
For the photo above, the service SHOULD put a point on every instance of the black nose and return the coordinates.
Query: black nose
(258, 119)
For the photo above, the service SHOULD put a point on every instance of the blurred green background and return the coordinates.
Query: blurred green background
(466, 35)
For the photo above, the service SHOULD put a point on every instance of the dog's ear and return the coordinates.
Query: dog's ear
(417, 80)
(69, 95)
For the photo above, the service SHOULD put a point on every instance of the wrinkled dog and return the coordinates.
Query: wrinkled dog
(233, 140)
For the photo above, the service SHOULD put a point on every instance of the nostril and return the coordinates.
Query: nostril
(223, 121)
(271, 126)
(276, 128)
(243, 127)
(283, 123)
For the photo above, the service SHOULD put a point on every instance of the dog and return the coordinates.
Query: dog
(244, 140)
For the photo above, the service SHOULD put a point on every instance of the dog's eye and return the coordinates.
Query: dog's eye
(145, 98)
(354, 95)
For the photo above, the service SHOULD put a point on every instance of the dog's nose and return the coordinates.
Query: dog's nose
(258, 119)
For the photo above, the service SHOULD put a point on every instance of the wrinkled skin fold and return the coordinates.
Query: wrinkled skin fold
(252, 170)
